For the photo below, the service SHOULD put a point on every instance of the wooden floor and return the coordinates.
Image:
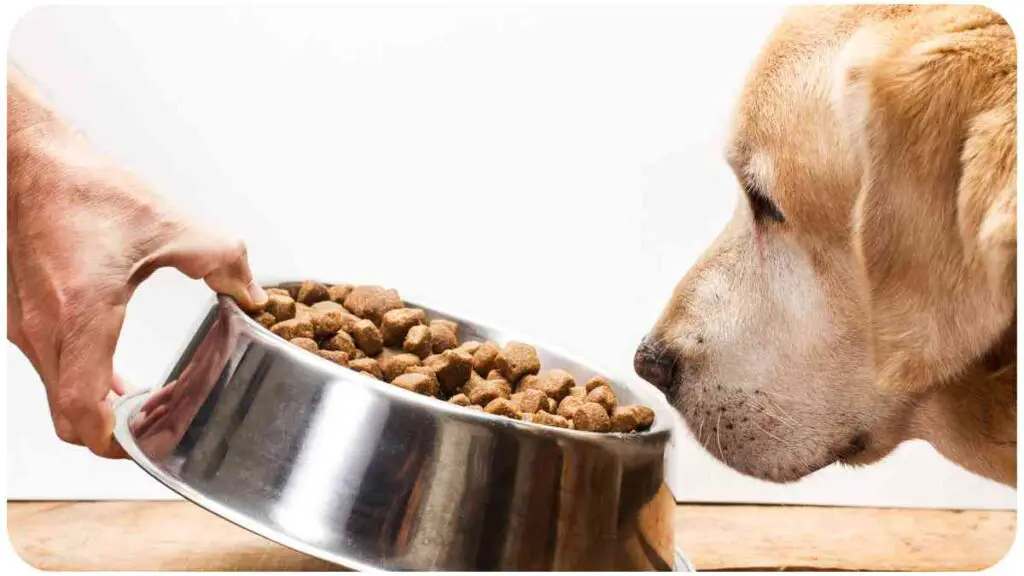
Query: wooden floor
(180, 536)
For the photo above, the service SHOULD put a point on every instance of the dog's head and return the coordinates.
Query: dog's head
(871, 256)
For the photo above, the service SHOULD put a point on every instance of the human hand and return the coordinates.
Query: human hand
(82, 234)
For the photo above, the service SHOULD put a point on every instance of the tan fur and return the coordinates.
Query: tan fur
(884, 307)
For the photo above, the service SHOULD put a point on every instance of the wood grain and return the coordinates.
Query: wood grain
(179, 536)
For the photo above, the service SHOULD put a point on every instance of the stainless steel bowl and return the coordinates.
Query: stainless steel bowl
(338, 465)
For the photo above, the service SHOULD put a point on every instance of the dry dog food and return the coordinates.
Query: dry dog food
(370, 330)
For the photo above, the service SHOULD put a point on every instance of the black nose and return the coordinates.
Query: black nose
(655, 364)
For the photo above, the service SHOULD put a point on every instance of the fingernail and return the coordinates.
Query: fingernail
(256, 293)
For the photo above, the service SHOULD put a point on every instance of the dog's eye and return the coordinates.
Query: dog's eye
(763, 208)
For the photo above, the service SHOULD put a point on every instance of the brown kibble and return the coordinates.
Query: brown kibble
(367, 337)
(393, 363)
(475, 407)
(459, 400)
(418, 383)
(305, 343)
(395, 324)
(326, 324)
(417, 341)
(552, 406)
(428, 372)
(452, 367)
(282, 307)
(592, 417)
(293, 328)
(470, 346)
(474, 381)
(341, 342)
(338, 357)
(496, 375)
(485, 358)
(596, 382)
(484, 393)
(367, 302)
(529, 401)
(554, 383)
(631, 418)
(338, 292)
(311, 292)
(578, 391)
(546, 419)
(501, 407)
(392, 301)
(266, 319)
(303, 312)
(326, 306)
(367, 366)
(277, 292)
(449, 324)
(359, 354)
(644, 416)
(605, 396)
(441, 337)
(517, 360)
(568, 406)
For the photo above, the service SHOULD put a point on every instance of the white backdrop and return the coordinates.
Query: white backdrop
(583, 141)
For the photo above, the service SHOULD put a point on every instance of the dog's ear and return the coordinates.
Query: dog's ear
(930, 104)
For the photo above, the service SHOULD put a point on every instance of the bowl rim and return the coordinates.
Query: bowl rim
(661, 431)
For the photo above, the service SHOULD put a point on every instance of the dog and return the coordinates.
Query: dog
(864, 291)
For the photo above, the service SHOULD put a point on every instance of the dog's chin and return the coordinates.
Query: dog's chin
(747, 446)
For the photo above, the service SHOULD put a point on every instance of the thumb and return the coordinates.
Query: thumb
(221, 262)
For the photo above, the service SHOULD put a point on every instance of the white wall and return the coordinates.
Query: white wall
(576, 151)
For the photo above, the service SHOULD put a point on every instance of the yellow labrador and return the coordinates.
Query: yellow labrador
(864, 292)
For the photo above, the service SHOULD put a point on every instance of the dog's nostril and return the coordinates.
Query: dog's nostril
(655, 365)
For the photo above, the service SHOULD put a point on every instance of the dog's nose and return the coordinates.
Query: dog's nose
(655, 364)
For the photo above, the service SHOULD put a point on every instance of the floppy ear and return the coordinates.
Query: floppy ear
(930, 103)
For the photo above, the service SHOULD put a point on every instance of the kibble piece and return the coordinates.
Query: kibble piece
(429, 373)
(393, 364)
(517, 360)
(367, 302)
(501, 407)
(442, 337)
(605, 396)
(470, 346)
(483, 394)
(552, 406)
(359, 354)
(338, 292)
(392, 301)
(592, 417)
(342, 342)
(327, 305)
(282, 307)
(338, 357)
(311, 292)
(417, 341)
(452, 368)
(546, 419)
(306, 344)
(460, 400)
(293, 328)
(485, 358)
(553, 383)
(266, 319)
(568, 406)
(367, 337)
(474, 381)
(631, 418)
(449, 324)
(579, 391)
(418, 383)
(395, 324)
(277, 292)
(529, 401)
(329, 323)
(495, 375)
(303, 312)
(596, 382)
(367, 366)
